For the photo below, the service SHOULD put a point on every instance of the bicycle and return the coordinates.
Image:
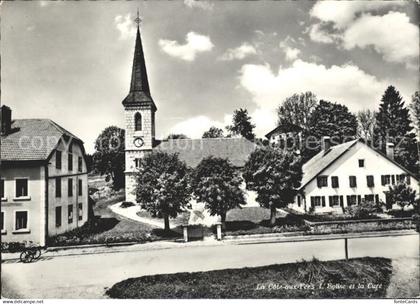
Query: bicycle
(30, 252)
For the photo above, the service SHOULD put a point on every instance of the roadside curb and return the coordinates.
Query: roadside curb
(240, 240)
(326, 237)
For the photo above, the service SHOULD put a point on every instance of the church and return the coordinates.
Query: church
(140, 129)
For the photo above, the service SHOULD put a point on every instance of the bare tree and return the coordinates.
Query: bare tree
(366, 124)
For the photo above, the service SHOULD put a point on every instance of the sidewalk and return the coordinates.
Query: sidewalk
(209, 241)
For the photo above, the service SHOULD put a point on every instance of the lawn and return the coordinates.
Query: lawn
(109, 227)
(355, 278)
(256, 220)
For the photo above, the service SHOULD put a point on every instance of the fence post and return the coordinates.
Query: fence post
(346, 248)
(185, 233)
(219, 231)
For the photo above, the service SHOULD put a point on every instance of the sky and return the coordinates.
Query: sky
(71, 61)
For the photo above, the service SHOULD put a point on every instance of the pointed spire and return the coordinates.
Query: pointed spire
(139, 87)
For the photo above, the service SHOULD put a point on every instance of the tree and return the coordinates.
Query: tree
(162, 185)
(366, 124)
(296, 110)
(216, 183)
(241, 124)
(275, 175)
(393, 124)
(109, 156)
(176, 136)
(333, 120)
(402, 194)
(213, 132)
(415, 110)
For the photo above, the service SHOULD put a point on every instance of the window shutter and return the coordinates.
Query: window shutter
(330, 202)
(408, 179)
(359, 199)
(323, 201)
(393, 179)
(383, 180)
(318, 181)
(312, 201)
(341, 201)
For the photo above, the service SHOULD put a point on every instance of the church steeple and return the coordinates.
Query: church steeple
(139, 88)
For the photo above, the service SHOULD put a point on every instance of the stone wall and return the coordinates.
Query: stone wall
(360, 225)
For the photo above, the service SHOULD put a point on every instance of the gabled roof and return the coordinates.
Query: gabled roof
(284, 128)
(317, 164)
(139, 88)
(192, 151)
(32, 139)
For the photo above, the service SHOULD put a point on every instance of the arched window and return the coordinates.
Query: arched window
(137, 122)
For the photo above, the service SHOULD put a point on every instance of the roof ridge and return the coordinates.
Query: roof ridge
(61, 129)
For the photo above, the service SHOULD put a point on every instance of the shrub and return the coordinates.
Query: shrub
(366, 209)
(126, 204)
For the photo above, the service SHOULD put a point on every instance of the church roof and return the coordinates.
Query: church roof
(139, 88)
(192, 151)
(32, 139)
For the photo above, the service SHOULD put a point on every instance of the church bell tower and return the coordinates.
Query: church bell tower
(139, 111)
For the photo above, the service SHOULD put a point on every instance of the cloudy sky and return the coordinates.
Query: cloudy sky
(71, 61)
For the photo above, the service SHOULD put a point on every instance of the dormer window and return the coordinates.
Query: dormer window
(137, 122)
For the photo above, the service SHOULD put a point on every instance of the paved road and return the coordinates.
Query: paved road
(87, 276)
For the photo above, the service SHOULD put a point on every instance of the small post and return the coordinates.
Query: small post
(219, 231)
(185, 233)
(346, 248)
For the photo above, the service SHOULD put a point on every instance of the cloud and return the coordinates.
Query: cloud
(239, 53)
(205, 5)
(195, 43)
(43, 3)
(391, 35)
(194, 127)
(125, 26)
(318, 34)
(341, 13)
(346, 84)
(349, 24)
(290, 52)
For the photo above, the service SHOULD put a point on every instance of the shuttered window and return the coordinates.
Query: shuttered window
(334, 181)
(352, 181)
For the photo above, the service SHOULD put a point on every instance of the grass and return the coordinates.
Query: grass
(313, 279)
(256, 220)
(109, 227)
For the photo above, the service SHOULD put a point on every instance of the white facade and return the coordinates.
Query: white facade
(47, 211)
(374, 164)
(137, 143)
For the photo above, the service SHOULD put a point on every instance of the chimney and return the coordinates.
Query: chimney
(325, 143)
(390, 150)
(5, 120)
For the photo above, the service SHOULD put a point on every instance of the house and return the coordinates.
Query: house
(139, 111)
(344, 175)
(44, 189)
(279, 135)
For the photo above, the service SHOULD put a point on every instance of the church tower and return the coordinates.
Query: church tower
(139, 111)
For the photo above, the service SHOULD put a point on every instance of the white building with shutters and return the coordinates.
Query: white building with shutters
(346, 174)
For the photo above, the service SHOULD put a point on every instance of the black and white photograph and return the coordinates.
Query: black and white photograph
(197, 149)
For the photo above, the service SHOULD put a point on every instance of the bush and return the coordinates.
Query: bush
(126, 204)
(290, 228)
(365, 210)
